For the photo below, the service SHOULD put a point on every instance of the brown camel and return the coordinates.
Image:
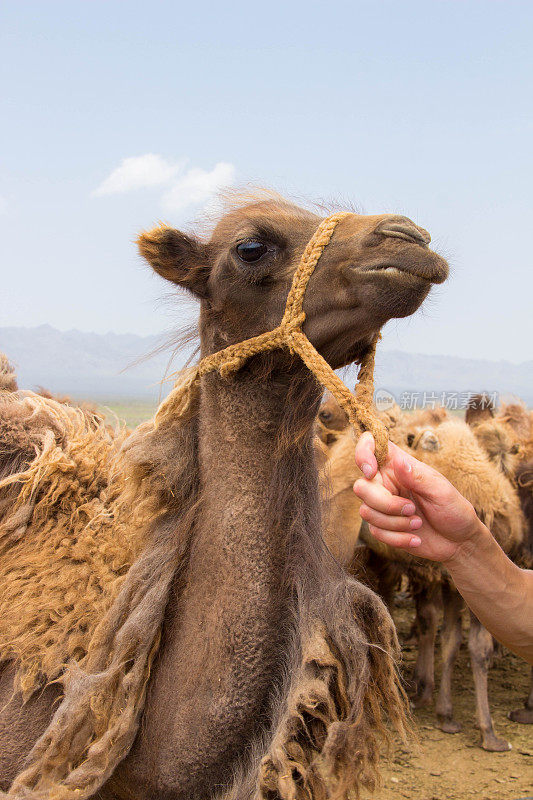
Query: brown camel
(265, 683)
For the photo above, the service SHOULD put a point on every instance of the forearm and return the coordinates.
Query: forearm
(499, 593)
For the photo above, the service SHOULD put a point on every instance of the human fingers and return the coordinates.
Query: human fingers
(379, 498)
(416, 476)
(365, 455)
(404, 541)
(404, 524)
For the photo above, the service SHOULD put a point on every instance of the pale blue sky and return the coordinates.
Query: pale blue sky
(421, 108)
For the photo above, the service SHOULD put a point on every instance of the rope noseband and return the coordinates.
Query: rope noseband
(289, 335)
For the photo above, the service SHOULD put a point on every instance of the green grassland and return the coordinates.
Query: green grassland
(131, 411)
(126, 411)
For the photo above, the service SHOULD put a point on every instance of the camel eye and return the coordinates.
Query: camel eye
(251, 251)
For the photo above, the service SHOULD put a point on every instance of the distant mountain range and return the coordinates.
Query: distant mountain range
(91, 365)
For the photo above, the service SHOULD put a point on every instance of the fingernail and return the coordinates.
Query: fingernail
(408, 509)
(367, 471)
(415, 524)
(415, 541)
(407, 465)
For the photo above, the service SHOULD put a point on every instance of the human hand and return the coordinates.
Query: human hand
(410, 505)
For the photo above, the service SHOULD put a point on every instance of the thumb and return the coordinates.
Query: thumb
(414, 475)
(365, 457)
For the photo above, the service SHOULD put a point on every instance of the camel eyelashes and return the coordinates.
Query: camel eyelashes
(251, 251)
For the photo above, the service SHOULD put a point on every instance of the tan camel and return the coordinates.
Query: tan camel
(338, 472)
(507, 440)
(340, 505)
(262, 670)
(451, 448)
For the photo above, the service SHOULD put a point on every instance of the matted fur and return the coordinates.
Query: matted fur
(328, 738)
(98, 622)
(330, 716)
(62, 556)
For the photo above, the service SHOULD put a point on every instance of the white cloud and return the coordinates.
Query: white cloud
(197, 187)
(139, 172)
(3, 205)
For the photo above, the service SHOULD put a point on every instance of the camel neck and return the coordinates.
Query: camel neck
(257, 473)
(228, 631)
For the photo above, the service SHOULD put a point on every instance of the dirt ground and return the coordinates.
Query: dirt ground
(453, 767)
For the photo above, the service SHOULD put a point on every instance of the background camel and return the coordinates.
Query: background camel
(507, 438)
(453, 450)
(260, 669)
(449, 446)
(338, 471)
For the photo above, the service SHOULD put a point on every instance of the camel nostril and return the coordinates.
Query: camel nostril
(404, 228)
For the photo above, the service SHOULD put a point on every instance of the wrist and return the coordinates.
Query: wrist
(476, 536)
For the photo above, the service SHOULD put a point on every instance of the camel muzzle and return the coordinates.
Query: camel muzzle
(404, 228)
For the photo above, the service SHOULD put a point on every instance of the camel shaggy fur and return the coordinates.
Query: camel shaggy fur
(228, 654)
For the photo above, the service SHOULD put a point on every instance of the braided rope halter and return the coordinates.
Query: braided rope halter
(359, 406)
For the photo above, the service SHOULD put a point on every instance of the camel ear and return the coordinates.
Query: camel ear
(177, 257)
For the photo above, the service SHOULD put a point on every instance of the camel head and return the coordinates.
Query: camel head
(375, 268)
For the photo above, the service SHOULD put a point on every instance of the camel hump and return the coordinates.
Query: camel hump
(8, 377)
